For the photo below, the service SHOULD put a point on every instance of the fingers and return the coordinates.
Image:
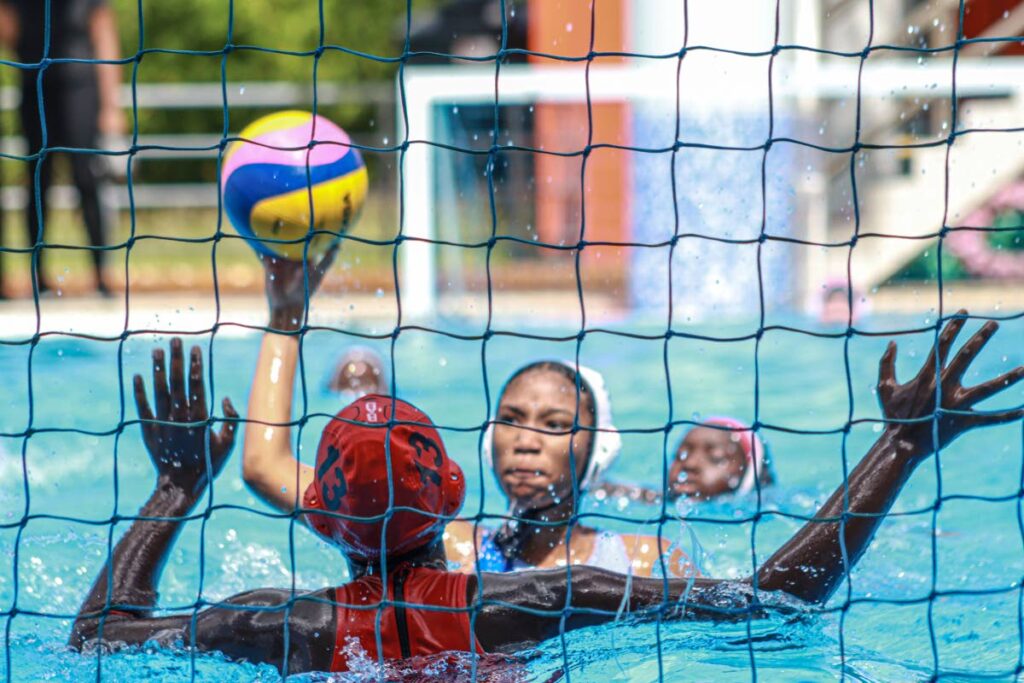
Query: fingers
(887, 372)
(160, 393)
(989, 419)
(948, 336)
(196, 389)
(226, 437)
(141, 402)
(317, 272)
(945, 342)
(179, 401)
(994, 386)
(958, 366)
(325, 263)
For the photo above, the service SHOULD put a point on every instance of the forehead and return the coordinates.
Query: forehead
(701, 434)
(542, 388)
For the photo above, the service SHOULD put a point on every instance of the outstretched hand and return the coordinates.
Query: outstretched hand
(909, 408)
(291, 284)
(178, 435)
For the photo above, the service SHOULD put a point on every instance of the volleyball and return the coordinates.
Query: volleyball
(293, 178)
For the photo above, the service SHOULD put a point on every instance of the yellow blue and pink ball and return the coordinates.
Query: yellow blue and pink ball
(293, 178)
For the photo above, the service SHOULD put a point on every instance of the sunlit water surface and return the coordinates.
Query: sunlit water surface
(972, 546)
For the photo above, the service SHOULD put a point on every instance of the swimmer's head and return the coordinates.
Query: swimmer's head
(835, 305)
(360, 371)
(720, 456)
(352, 479)
(540, 436)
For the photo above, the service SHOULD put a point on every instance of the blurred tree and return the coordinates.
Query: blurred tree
(270, 40)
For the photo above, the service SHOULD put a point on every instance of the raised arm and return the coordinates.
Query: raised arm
(810, 565)
(269, 465)
(187, 455)
(178, 439)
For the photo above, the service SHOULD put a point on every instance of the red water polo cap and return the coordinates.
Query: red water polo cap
(351, 480)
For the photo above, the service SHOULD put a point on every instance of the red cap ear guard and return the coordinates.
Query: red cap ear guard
(352, 480)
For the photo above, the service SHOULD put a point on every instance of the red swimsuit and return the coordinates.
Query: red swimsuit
(405, 631)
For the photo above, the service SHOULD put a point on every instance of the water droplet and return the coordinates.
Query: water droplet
(442, 361)
(568, 28)
(385, 139)
(241, 91)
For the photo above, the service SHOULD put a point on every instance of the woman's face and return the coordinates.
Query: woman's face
(531, 451)
(709, 462)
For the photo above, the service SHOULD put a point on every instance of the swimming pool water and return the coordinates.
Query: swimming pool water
(80, 394)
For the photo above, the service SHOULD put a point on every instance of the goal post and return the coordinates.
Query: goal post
(658, 80)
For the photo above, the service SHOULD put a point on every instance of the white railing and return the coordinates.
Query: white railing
(201, 145)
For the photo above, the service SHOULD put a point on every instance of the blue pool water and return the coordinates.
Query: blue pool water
(84, 387)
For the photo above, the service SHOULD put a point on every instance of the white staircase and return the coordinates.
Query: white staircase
(907, 209)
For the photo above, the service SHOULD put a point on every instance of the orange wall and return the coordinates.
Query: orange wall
(563, 27)
(980, 14)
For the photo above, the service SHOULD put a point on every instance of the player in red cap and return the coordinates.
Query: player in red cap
(383, 487)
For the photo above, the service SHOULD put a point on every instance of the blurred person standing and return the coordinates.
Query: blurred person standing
(7, 29)
(79, 102)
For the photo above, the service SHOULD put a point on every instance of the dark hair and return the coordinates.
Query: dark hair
(566, 372)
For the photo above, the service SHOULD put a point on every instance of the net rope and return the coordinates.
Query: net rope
(845, 599)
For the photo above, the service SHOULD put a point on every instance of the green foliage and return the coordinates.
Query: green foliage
(248, 41)
(375, 28)
(243, 43)
(925, 266)
(1011, 237)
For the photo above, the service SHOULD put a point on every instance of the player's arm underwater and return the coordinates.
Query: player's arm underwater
(813, 562)
(249, 626)
(269, 465)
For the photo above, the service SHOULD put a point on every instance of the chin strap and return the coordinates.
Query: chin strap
(511, 537)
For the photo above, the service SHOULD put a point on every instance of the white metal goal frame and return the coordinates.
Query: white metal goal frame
(801, 77)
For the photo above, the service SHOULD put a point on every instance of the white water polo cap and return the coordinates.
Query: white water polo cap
(606, 442)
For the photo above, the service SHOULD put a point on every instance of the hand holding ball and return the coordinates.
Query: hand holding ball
(293, 178)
